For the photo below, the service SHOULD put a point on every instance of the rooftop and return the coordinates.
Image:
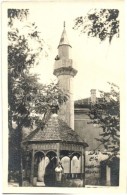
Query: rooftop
(54, 130)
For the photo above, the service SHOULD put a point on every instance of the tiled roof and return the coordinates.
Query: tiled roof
(82, 103)
(54, 130)
(85, 103)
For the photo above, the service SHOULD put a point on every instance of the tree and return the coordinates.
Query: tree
(29, 102)
(106, 113)
(100, 23)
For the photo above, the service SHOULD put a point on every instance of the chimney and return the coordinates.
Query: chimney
(93, 96)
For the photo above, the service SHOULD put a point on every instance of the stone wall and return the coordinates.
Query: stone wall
(86, 130)
(89, 132)
(92, 168)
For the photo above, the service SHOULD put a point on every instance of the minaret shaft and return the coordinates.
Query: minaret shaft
(66, 111)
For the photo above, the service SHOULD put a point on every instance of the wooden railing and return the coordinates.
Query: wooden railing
(73, 175)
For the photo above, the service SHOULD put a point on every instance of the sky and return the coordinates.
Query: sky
(97, 62)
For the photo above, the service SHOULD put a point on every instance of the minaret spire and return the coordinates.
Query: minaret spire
(64, 39)
(64, 24)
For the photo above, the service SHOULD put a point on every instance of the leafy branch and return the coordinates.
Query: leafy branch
(100, 23)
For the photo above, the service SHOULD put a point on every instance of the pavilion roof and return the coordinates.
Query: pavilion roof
(54, 130)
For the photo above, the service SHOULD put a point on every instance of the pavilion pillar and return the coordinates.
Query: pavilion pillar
(58, 153)
(26, 166)
(70, 168)
(84, 164)
(32, 168)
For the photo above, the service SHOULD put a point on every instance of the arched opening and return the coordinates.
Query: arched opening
(76, 166)
(66, 164)
(49, 177)
(109, 172)
(115, 171)
(103, 173)
(39, 166)
(72, 164)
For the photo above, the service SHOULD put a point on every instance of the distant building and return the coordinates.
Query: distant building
(99, 168)
(82, 121)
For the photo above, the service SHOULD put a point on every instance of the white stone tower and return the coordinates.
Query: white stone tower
(65, 72)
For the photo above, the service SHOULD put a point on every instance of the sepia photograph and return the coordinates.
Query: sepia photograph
(63, 91)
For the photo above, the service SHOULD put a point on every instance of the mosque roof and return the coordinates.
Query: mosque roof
(54, 130)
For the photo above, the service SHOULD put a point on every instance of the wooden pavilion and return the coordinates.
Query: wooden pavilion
(45, 147)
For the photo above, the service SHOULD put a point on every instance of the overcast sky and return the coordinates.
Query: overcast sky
(97, 62)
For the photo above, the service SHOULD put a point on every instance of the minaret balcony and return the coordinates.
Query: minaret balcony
(69, 70)
(63, 63)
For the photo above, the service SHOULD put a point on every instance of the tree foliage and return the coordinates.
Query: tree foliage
(100, 23)
(106, 113)
(25, 94)
(29, 101)
(19, 14)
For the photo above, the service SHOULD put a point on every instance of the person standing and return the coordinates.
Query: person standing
(59, 172)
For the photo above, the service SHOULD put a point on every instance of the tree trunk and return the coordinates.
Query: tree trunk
(20, 157)
(21, 171)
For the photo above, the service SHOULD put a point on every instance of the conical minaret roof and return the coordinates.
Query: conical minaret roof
(64, 39)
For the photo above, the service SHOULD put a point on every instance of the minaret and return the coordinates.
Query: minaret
(65, 72)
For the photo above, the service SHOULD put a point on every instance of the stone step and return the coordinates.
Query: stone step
(40, 184)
